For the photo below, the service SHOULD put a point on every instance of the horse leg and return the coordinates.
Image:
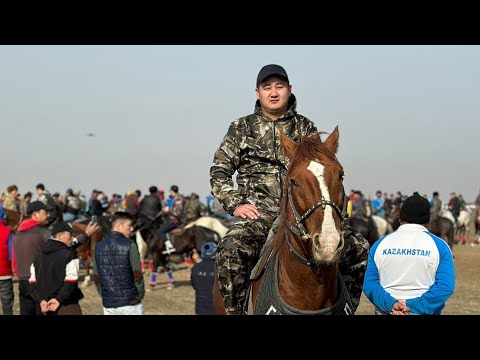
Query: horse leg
(142, 248)
(86, 279)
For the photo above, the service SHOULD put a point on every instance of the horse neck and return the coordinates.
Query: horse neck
(304, 287)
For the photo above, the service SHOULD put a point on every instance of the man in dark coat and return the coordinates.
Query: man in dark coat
(202, 279)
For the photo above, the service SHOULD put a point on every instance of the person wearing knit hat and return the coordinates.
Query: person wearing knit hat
(415, 210)
(410, 271)
(202, 277)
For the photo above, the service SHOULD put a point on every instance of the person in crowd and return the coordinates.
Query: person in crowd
(117, 269)
(54, 274)
(454, 206)
(174, 217)
(463, 203)
(194, 209)
(10, 201)
(410, 271)
(28, 242)
(46, 197)
(202, 277)
(435, 207)
(132, 203)
(377, 205)
(387, 205)
(6, 275)
(24, 203)
(361, 210)
(72, 206)
(151, 206)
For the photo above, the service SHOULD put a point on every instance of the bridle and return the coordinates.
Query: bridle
(299, 229)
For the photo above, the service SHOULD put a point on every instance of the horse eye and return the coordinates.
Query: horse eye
(294, 183)
(341, 177)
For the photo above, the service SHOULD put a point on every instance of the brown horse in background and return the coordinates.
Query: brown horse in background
(186, 241)
(298, 270)
(85, 251)
(441, 227)
(13, 219)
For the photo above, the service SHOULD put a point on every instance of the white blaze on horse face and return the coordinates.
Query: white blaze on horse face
(329, 236)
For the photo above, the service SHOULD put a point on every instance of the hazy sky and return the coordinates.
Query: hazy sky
(408, 115)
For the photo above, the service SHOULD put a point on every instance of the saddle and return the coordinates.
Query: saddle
(260, 266)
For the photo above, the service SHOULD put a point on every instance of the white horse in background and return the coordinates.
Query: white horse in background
(142, 247)
(465, 224)
(383, 226)
(211, 223)
(447, 214)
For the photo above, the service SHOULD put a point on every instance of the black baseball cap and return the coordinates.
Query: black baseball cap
(61, 227)
(269, 70)
(36, 206)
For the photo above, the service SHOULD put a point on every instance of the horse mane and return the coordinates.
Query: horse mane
(311, 148)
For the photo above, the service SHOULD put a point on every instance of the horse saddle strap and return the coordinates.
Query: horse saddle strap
(262, 262)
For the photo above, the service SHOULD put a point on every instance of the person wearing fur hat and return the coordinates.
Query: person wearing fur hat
(410, 271)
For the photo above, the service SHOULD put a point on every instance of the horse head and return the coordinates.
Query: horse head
(314, 205)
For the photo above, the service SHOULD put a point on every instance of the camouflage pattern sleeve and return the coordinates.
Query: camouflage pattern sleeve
(353, 263)
(310, 128)
(225, 162)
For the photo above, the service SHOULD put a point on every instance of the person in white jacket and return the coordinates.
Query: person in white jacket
(410, 271)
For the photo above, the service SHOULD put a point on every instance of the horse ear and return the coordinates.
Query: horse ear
(289, 145)
(332, 140)
(315, 136)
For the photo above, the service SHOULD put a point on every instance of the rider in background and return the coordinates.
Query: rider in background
(361, 210)
(24, 203)
(174, 217)
(72, 206)
(194, 209)
(46, 197)
(435, 206)
(463, 203)
(454, 206)
(377, 204)
(387, 204)
(151, 206)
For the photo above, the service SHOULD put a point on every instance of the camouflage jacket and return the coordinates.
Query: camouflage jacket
(176, 213)
(11, 203)
(252, 148)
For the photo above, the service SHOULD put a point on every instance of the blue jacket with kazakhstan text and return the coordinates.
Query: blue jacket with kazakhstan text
(410, 264)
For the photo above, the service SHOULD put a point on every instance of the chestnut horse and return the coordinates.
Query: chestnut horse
(85, 251)
(190, 238)
(13, 219)
(301, 275)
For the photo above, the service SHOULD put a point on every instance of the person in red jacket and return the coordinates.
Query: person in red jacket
(6, 282)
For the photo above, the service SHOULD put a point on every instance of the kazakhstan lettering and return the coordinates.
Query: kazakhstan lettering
(414, 252)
